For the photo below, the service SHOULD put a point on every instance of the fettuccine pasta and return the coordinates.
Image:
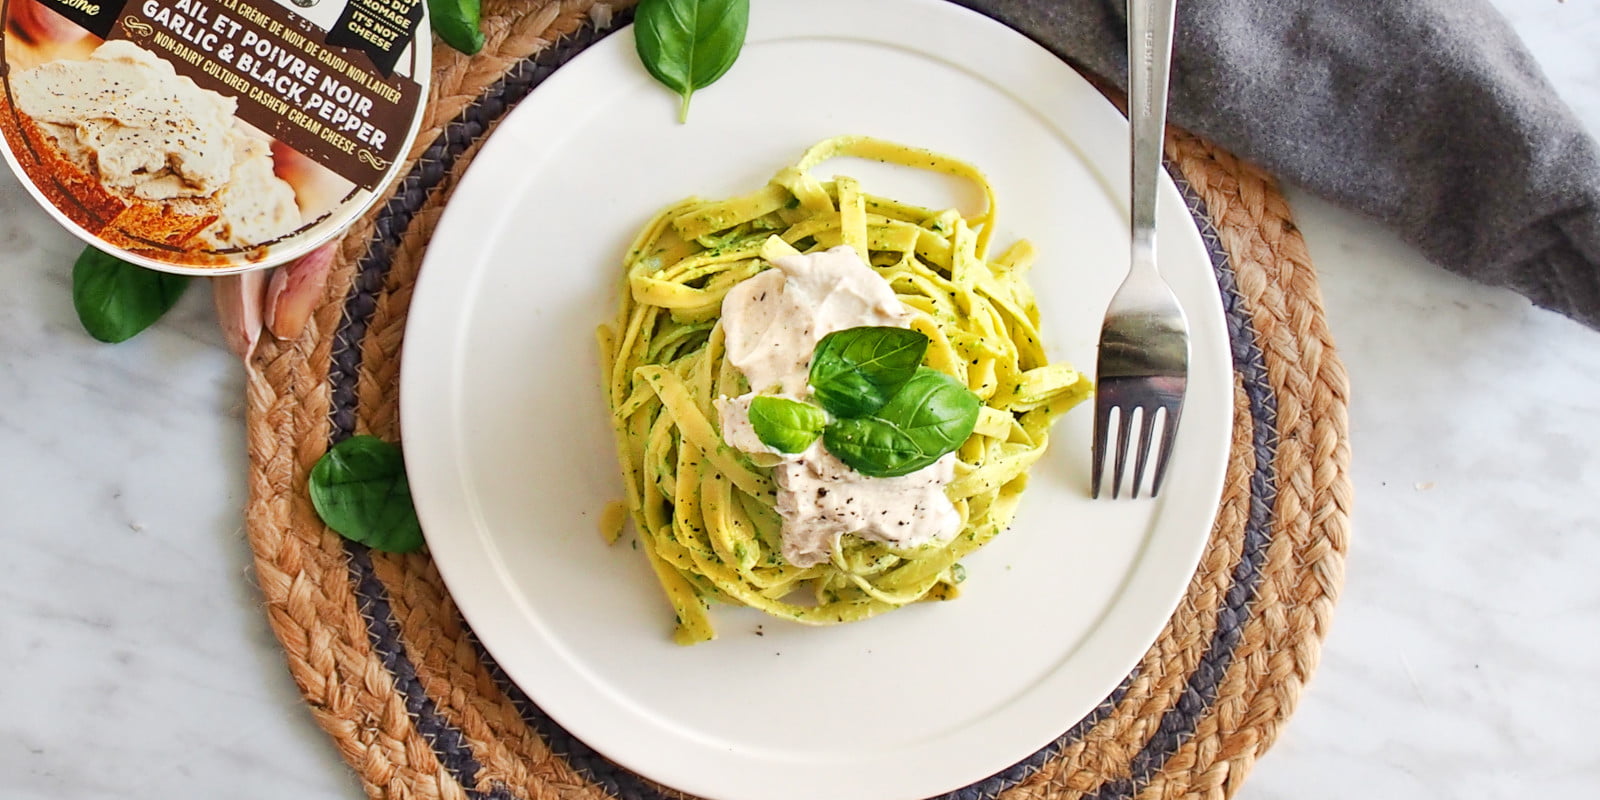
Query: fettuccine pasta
(704, 511)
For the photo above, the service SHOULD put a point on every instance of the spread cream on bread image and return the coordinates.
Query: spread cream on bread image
(143, 157)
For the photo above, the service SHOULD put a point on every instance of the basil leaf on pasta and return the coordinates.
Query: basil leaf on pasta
(935, 410)
(931, 415)
(788, 426)
(689, 44)
(875, 447)
(855, 371)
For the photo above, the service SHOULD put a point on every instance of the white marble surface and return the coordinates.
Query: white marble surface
(135, 662)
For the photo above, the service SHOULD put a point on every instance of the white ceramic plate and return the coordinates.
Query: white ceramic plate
(511, 460)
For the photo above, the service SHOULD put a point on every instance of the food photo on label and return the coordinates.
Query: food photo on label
(234, 140)
(149, 156)
(206, 137)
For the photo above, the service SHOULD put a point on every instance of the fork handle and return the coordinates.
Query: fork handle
(1150, 25)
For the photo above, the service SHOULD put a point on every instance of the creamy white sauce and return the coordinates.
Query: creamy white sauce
(771, 324)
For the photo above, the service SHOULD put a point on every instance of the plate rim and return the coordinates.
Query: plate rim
(481, 179)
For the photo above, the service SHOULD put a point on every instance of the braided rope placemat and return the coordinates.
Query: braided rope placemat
(419, 710)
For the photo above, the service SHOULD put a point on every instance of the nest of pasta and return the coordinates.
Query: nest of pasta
(704, 511)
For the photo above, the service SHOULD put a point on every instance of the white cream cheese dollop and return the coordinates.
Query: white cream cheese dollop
(771, 324)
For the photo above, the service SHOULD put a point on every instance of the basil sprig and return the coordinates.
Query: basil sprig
(788, 426)
(115, 299)
(359, 489)
(892, 416)
(689, 44)
(855, 371)
(930, 415)
(457, 23)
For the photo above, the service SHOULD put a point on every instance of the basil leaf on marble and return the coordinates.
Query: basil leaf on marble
(359, 489)
(788, 426)
(931, 415)
(116, 300)
(457, 23)
(689, 44)
(855, 371)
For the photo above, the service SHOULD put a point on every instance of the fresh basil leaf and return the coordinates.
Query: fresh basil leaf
(931, 415)
(874, 447)
(689, 44)
(788, 426)
(456, 22)
(856, 370)
(359, 489)
(936, 410)
(116, 300)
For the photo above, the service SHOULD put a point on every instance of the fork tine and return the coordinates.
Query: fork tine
(1097, 460)
(1124, 428)
(1147, 422)
(1169, 434)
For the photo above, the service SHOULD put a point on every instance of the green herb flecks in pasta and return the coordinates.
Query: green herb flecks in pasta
(705, 511)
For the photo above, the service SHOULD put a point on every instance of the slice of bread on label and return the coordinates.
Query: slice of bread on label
(116, 217)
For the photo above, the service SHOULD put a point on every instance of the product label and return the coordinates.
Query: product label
(380, 28)
(330, 103)
(194, 131)
(96, 16)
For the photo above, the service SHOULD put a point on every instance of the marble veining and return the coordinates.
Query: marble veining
(135, 661)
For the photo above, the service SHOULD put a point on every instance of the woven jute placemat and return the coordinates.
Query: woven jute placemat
(394, 675)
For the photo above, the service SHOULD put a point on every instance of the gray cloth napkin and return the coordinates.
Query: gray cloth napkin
(1428, 115)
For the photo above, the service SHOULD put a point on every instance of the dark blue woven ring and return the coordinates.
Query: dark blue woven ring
(1178, 723)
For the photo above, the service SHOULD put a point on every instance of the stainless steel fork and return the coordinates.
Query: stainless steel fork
(1143, 364)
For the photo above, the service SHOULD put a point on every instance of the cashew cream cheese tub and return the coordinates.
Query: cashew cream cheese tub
(210, 136)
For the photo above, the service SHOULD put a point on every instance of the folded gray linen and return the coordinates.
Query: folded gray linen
(1428, 115)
